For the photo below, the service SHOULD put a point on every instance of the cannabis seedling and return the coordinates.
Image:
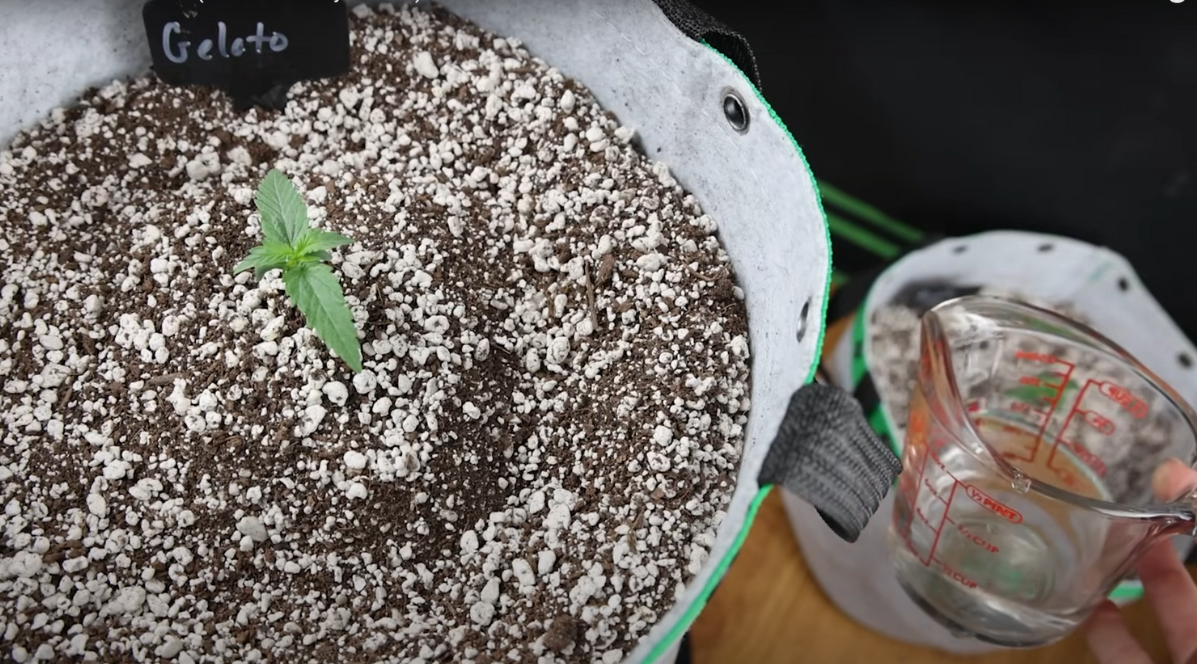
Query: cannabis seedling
(290, 244)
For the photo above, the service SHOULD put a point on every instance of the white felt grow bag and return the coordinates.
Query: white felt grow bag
(1095, 281)
(755, 184)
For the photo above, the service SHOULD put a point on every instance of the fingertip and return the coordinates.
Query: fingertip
(1109, 638)
(1172, 479)
(1096, 621)
(1107, 610)
(1106, 613)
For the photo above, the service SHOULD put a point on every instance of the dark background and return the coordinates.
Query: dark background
(1060, 117)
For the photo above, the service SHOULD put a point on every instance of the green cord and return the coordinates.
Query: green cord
(862, 238)
(868, 213)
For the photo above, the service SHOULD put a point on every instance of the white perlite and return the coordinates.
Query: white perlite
(534, 461)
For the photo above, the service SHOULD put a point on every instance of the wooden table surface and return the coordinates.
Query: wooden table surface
(769, 609)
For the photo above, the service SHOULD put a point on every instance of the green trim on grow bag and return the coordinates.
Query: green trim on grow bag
(859, 367)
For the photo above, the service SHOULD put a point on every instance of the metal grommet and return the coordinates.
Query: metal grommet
(803, 320)
(735, 110)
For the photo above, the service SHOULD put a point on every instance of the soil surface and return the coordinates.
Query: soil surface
(533, 462)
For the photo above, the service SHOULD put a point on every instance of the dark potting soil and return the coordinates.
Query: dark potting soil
(531, 466)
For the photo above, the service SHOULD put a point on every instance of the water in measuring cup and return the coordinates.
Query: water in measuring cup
(984, 556)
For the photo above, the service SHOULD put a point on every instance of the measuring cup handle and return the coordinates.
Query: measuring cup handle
(826, 453)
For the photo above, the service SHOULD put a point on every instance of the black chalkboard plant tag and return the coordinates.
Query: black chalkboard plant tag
(254, 50)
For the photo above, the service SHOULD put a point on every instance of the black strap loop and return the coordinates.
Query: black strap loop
(701, 26)
(826, 453)
(866, 394)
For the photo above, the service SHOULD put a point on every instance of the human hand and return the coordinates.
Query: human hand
(1169, 589)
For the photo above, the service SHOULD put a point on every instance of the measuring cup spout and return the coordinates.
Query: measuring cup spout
(941, 337)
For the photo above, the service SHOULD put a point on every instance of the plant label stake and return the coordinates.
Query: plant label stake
(254, 50)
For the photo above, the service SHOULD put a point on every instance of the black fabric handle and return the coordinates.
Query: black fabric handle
(701, 26)
(826, 453)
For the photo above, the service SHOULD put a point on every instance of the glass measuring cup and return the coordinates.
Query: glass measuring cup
(1025, 494)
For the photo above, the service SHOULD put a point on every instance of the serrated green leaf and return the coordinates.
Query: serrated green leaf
(314, 240)
(273, 232)
(284, 214)
(263, 258)
(314, 289)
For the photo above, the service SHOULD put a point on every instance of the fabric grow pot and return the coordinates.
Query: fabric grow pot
(1094, 282)
(693, 109)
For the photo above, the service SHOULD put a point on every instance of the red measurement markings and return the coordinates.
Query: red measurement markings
(949, 571)
(918, 443)
(977, 539)
(1132, 404)
(910, 545)
(984, 500)
(938, 444)
(942, 521)
(955, 575)
(1042, 358)
(935, 524)
(923, 517)
(1086, 457)
(1097, 421)
(931, 487)
(1026, 409)
(1057, 389)
(974, 410)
